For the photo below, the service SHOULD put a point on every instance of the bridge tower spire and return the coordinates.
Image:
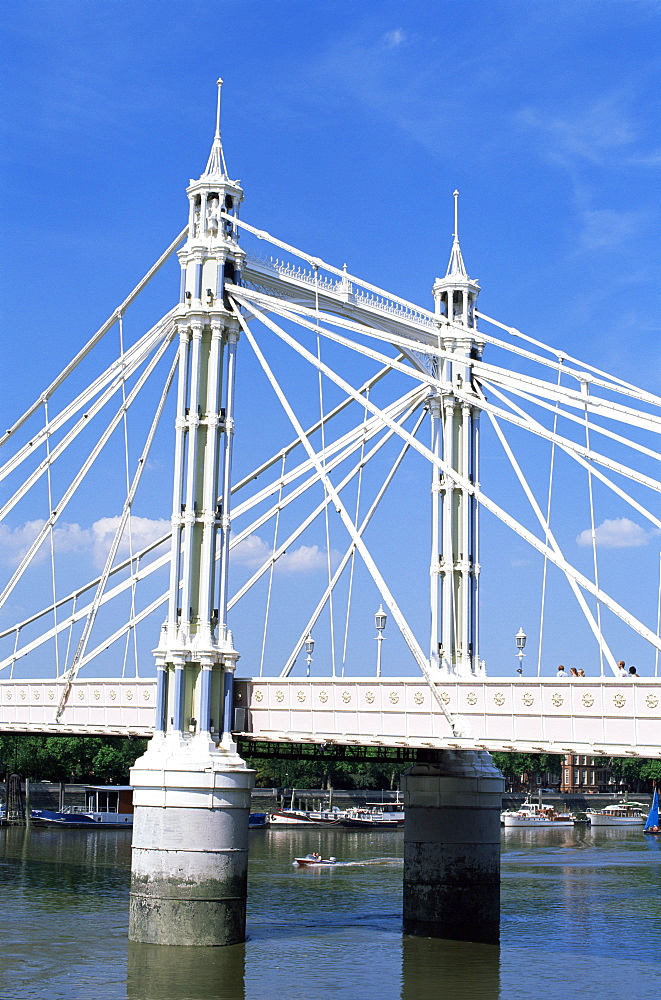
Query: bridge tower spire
(455, 437)
(192, 790)
(195, 656)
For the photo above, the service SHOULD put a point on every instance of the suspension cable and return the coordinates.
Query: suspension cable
(353, 550)
(127, 476)
(658, 622)
(593, 533)
(323, 466)
(272, 568)
(51, 538)
(547, 529)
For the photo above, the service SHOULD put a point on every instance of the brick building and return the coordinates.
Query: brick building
(582, 773)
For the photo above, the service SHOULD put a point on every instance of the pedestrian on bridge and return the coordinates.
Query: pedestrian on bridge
(561, 675)
(633, 672)
(621, 669)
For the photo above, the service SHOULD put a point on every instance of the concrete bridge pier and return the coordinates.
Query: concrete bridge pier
(190, 844)
(452, 848)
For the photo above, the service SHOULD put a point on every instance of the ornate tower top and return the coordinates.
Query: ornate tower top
(211, 255)
(456, 294)
(213, 193)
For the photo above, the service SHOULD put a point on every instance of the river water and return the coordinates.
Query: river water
(581, 917)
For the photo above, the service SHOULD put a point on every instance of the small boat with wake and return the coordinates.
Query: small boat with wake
(314, 859)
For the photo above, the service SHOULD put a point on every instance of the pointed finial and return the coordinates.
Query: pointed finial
(219, 84)
(216, 166)
(456, 264)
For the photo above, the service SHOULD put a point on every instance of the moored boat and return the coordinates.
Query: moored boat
(619, 814)
(385, 816)
(106, 806)
(299, 817)
(533, 815)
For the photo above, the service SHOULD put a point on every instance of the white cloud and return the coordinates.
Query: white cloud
(253, 551)
(72, 538)
(616, 533)
(393, 39)
(593, 133)
(604, 228)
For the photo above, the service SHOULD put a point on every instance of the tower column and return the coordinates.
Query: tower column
(452, 848)
(460, 411)
(192, 791)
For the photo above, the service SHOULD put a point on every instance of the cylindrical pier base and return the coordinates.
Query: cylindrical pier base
(452, 848)
(190, 845)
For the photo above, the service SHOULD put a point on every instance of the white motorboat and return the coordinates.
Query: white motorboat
(533, 815)
(386, 816)
(621, 814)
(299, 817)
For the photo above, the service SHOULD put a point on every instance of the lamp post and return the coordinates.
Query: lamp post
(520, 638)
(309, 649)
(380, 619)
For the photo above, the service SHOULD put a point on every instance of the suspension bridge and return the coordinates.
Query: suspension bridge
(321, 424)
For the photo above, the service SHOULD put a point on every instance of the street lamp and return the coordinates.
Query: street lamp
(309, 649)
(380, 619)
(520, 638)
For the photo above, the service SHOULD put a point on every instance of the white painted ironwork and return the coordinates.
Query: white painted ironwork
(440, 354)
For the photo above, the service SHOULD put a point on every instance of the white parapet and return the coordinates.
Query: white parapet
(607, 716)
(101, 706)
(600, 716)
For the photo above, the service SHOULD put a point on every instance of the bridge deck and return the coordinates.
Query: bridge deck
(600, 716)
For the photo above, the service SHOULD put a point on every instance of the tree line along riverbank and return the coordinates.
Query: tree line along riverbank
(108, 759)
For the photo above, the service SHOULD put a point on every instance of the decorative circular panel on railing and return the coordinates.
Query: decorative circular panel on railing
(588, 700)
(418, 697)
(369, 697)
(557, 700)
(652, 701)
(300, 695)
(323, 697)
(279, 695)
(471, 698)
(619, 701)
(528, 699)
(499, 698)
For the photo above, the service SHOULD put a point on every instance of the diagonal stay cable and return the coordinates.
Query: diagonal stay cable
(378, 579)
(69, 675)
(286, 670)
(471, 488)
(80, 475)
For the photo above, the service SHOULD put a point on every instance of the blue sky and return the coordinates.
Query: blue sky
(350, 124)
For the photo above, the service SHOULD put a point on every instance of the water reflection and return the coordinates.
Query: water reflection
(156, 972)
(449, 970)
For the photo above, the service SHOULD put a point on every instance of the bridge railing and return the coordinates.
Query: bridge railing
(590, 716)
(608, 716)
(96, 706)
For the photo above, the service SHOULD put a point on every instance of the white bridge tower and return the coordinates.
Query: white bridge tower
(192, 790)
(455, 438)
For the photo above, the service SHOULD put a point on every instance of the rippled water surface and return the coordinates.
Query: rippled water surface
(581, 917)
